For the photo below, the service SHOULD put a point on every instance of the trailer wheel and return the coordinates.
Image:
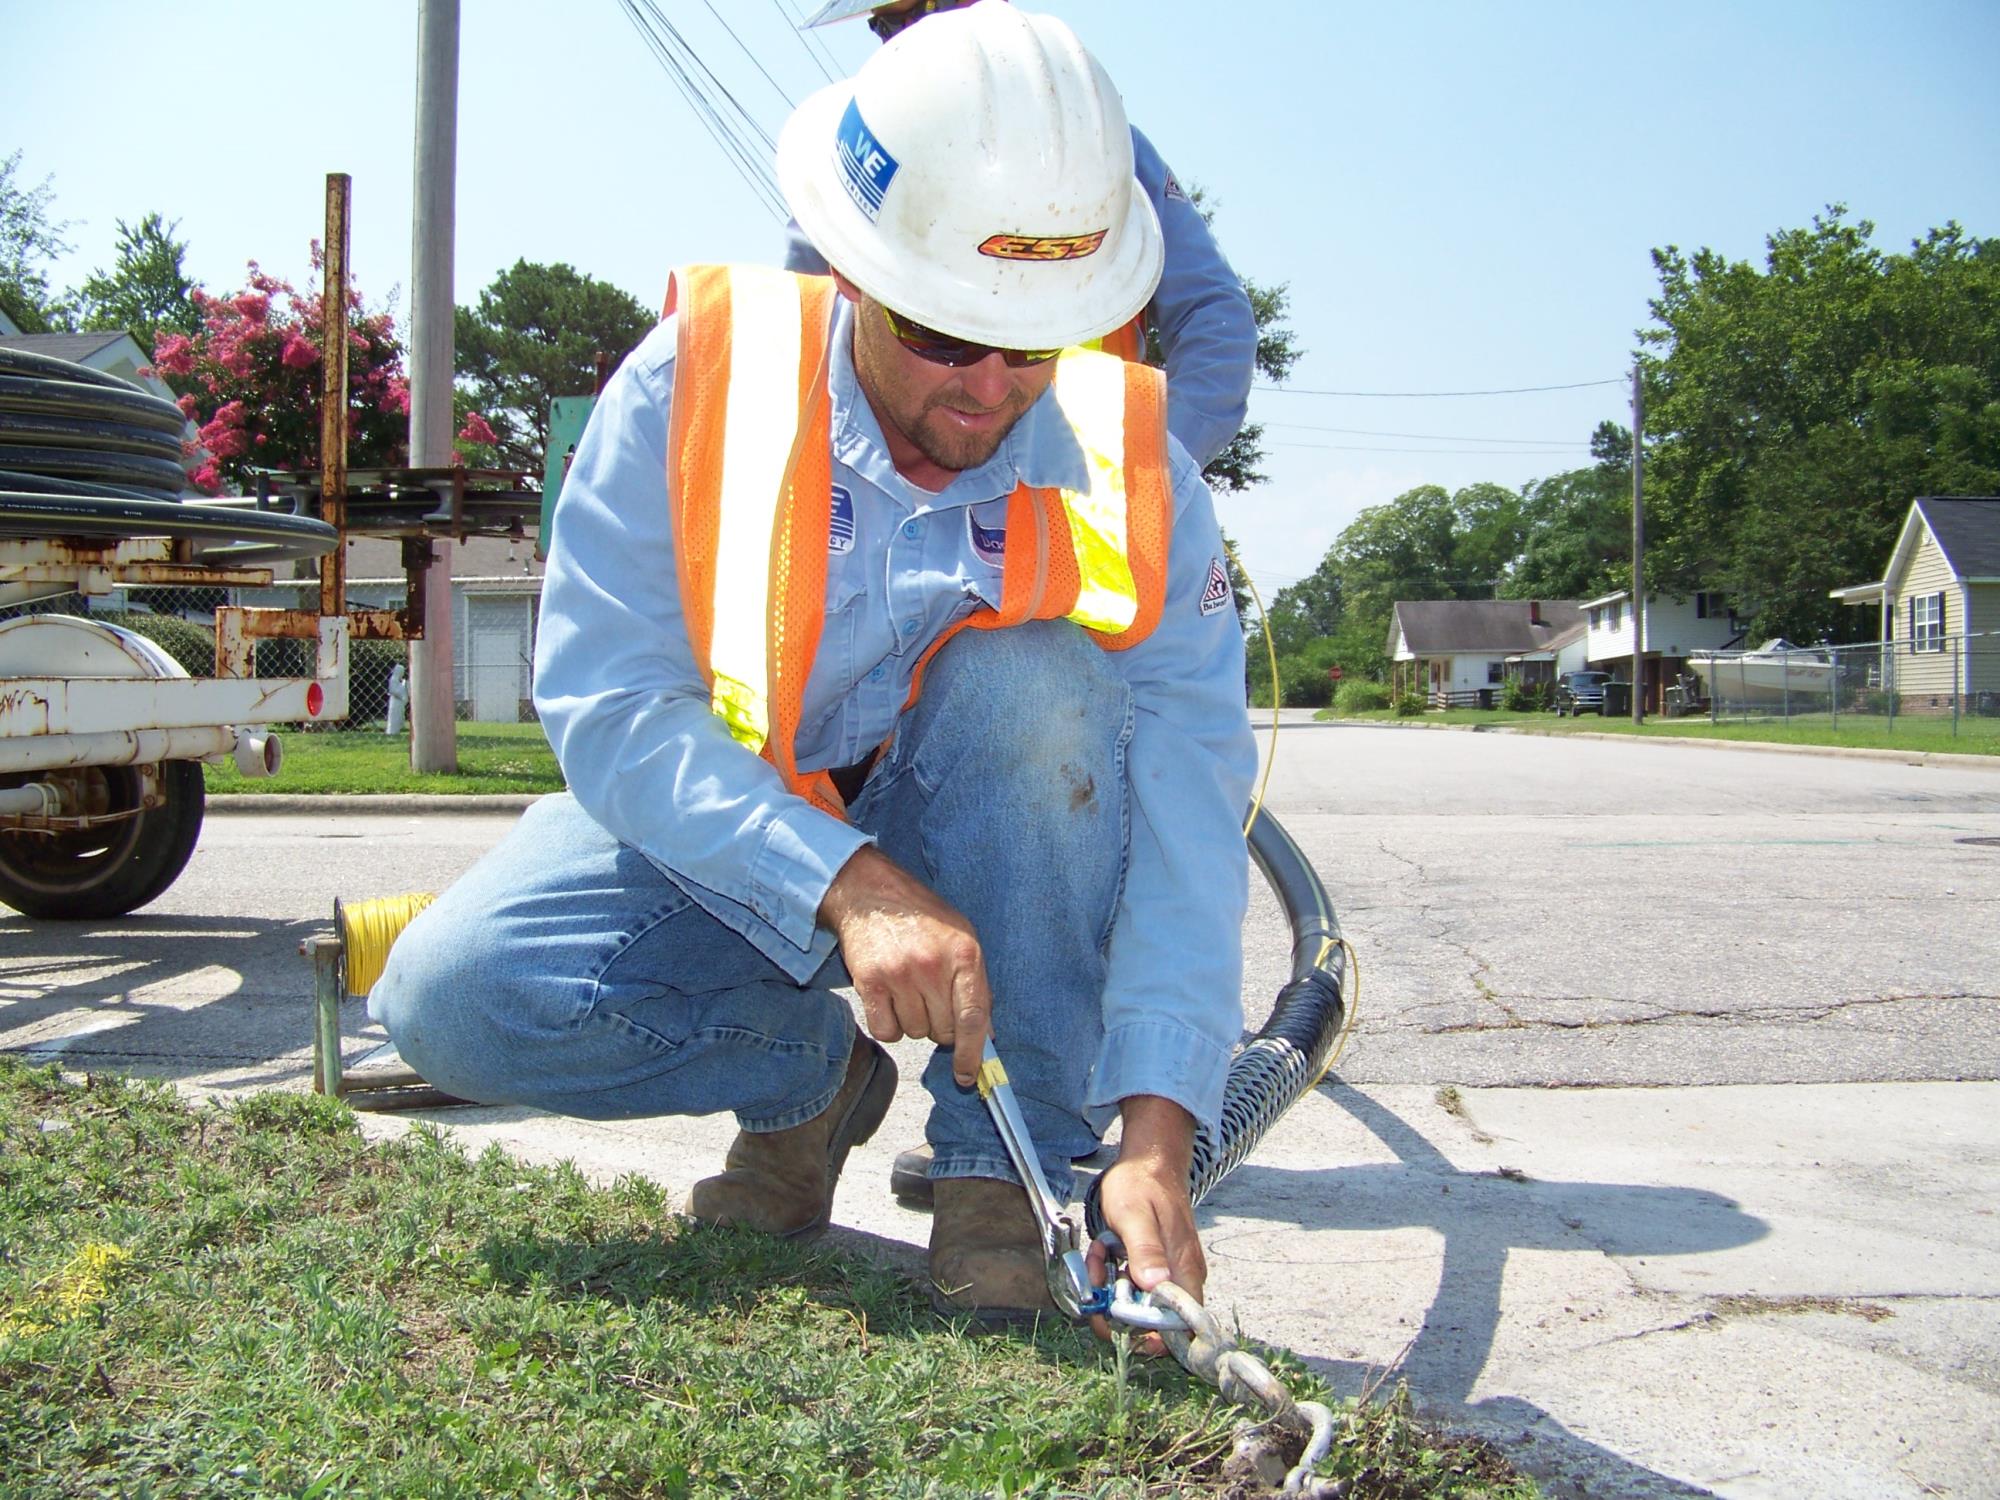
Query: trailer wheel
(107, 870)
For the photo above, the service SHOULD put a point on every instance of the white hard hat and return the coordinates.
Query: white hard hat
(840, 10)
(976, 177)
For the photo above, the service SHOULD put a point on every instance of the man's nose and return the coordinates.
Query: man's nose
(989, 382)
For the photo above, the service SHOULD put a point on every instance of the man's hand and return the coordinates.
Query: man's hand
(1145, 1201)
(914, 960)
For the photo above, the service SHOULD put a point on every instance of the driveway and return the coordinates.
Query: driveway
(1665, 1152)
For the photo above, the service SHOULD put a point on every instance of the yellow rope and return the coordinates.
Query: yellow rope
(368, 929)
(1264, 618)
(1353, 1005)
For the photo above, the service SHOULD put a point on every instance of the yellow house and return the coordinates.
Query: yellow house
(1939, 603)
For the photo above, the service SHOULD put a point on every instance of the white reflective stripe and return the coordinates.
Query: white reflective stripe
(1090, 389)
(760, 419)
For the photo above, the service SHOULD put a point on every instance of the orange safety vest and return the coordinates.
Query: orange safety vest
(750, 479)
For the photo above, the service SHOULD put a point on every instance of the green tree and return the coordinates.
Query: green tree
(29, 241)
(147, 291)
(534, 335)
(1235, 468)
(1577, 526)
(1796, 410)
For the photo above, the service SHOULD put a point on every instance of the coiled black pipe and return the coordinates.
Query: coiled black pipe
(87, 455)
(1289, 1054)
(65, 421)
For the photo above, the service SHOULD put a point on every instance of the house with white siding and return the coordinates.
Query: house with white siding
(1938, 604)
(1456, 651)
(1676, 628)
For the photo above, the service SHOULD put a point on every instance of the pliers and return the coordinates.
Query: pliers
(1063, 1240)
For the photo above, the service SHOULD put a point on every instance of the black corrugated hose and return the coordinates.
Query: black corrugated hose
(1289, 1054)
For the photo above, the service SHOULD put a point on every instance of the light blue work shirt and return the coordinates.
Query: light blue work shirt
(1208, 332)
(628, 713)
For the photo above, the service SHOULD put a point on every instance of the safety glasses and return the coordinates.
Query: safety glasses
(956, 353)
(886, 24)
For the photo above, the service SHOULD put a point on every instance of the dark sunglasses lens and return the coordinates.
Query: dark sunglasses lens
(956, 354)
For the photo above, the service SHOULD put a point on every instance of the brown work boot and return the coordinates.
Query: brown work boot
(986, 1253)
(781, 1181)
(910, 1177)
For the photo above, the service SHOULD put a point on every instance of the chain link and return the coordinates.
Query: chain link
(1212, 1355)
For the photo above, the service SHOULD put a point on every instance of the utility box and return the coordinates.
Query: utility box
(568, 416)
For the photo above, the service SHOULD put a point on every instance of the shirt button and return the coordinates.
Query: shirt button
(875, 675)
(913, 529)
(911, 625)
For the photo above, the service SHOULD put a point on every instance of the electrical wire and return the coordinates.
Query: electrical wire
(809, 39)
(1488, 452)
(1428, 437)
(790, 103)
(721, 113)
(1514, 390)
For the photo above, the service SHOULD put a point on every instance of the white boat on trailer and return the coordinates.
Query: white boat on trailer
(1774, 675)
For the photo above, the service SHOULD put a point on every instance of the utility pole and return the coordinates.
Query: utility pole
(1638, 549)
(433, 706)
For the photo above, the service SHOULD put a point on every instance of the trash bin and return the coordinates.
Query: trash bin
(1486, 697)
(1617, 699)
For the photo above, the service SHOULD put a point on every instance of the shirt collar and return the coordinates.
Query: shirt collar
(1040, 451)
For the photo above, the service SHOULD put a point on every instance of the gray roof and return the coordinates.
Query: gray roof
(1967, 527)
(74, 347)
(1443, 627)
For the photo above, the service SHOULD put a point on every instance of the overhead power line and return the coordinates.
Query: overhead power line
(1515, 390)
(816, 49)
(1429, 437)
(721, 113)
(1491, 452)
(790, 103)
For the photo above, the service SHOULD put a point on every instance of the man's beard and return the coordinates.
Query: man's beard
(950, 448)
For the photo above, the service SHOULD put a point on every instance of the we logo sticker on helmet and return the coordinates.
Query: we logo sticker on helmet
(866, 170)
(840, 521)
(989, 543)
(1216, 593)
(1043, 246)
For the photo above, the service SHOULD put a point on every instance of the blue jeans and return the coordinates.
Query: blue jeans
(567, 972)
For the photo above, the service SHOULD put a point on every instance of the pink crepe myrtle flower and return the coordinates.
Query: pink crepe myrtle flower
(476, 430)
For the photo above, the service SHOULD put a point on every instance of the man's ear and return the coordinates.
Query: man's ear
(847, 288)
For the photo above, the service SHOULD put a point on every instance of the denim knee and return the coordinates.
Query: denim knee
(1038, 703)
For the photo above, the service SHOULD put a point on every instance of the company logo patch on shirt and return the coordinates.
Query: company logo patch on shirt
(1042, 246)
(991, 545)
(840, 523)
(866, 170)
(1216, 593)
(1174, 189)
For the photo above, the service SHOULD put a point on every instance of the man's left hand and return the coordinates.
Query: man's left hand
(1145, 1201)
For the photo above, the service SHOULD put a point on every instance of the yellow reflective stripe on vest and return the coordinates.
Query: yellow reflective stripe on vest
(1090, 389)
(762, 417)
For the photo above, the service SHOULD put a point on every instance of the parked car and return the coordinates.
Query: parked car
(1581, 692)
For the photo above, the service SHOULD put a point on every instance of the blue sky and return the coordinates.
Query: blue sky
(1460, 196)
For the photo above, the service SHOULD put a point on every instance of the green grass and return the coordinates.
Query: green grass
(1915, 732)
(491, 758)
(251, 1300)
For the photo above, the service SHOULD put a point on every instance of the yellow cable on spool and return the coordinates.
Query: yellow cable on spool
(368, 930)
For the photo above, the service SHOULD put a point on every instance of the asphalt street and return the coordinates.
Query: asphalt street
(1666, 1151)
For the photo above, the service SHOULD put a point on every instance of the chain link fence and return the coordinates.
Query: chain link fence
(493, 644)
(1929, 683)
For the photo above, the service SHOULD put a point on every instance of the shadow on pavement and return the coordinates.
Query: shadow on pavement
(224, 999)
(1481, 1217)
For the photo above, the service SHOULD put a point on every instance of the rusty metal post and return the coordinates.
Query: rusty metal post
(327, 986)
(335, 393)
